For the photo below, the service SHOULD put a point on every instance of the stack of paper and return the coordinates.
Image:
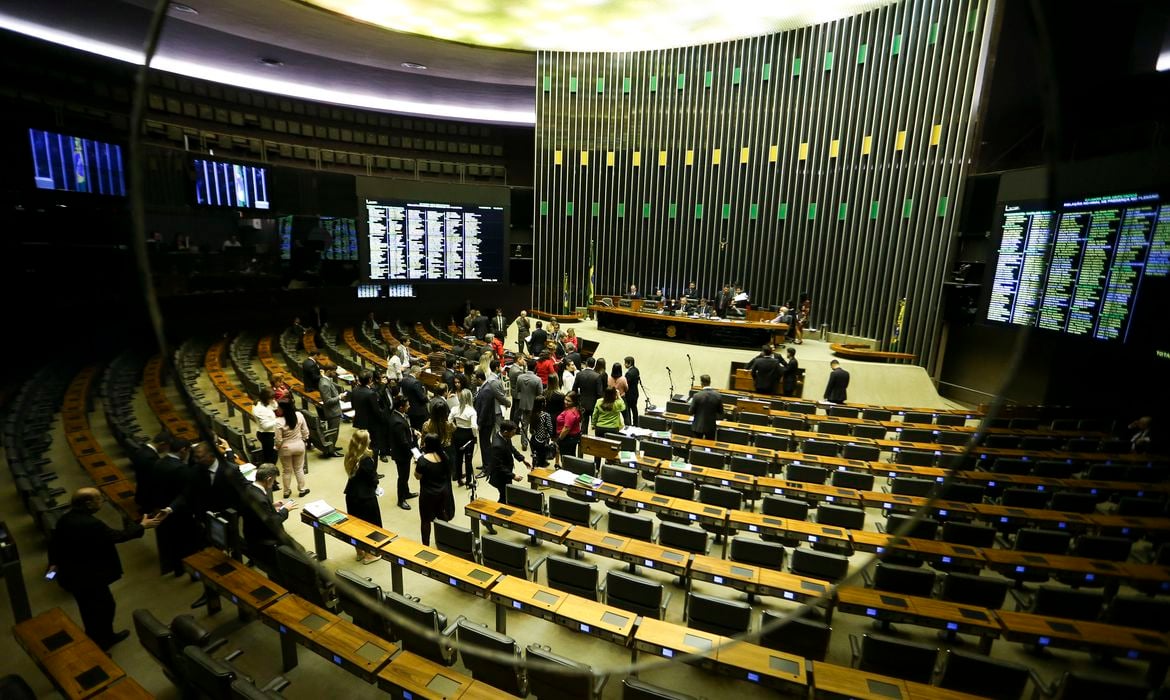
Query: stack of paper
(319, 508)
(627, 456)
(587, 480)
(248, 470)
(562, 476)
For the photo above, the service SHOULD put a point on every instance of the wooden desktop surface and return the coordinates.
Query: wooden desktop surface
(416, 675)
(774, 328)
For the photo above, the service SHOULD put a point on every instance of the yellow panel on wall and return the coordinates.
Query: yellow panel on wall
(773, 154)
(584, 157)
(716, 156)
(744, 154)
(557, 157)
(834, 148)
(609, 159)
(690, 159)
(803, 153)
(935, 134)
(637, 158)
(866, 145)
(661, 158)
(900, 141)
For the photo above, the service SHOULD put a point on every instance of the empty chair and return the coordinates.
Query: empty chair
(909, 486)
(1024, 423)
(572, 680)
(1073, 502)
(912, 661)
(1144, 612)
(924, 529)
(474, 640)
(721, 496)
(784, 507)
(572, 576)
(917, 434)
(780, 443)
(1070, 603)
(620, 476)
(841, 516)
(877, 414)
(972, 589)
(917, 417)
(1106, 472)
(822, 565)
(454, 539)
(789, 423)
(674, 487)
(505, 556)
(244, 689)
(638, 527)
(298, 573)
(1024, 498)
(210, 677)
(1082, 445)
(801, 407)
(968, 534)
(526, 498)
(165, 643)
(745, 464)
(950, 419)
(577, 465)
(907, 580)
(438, 649)
(361, 599)
(1141, 507)
(736, 437)
(801, 636)
(914, 458)
(865, 453)
(1011, 465)
(1040, 442)
(683, 537)
(716, 615)
(681, 427)
(861, 481)
(820, 447)
(1102, 547)
(873, 432)
(1003, 440)
(754, 418)
(657, 450)
(1042, 541)
(980, 675)
(834, 428)
(806, 473)
(652, 422)
(962, 492)
(636, 594)
(677, 406)
(567, 509)
(950, 437)
(844, 412)
(956, 461)
(1078, 685)
(748, 550)
(634, 689)
(704, 458)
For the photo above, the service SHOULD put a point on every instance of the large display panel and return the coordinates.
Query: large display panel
(1079, 269)
(415, 240)
(336, 237)
(220, 184)
(75, 164)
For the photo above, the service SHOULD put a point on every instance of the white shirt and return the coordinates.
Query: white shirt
(394, 368)
(266, 417)
(465, 418)
(567, 379)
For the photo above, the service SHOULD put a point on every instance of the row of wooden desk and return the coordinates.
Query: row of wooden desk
(237, 400)
(92, 457)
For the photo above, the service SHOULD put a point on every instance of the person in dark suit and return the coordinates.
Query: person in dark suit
(633, 292)
(588, 385)
(707, 407)
(416, 394)
(263, 520)
(401, 438)
(84, 559)
(311, 373)
(480, 326)
(837, 384)
(539, 338)
(790, 374)
(766, 370)
(144, 462)
(499, 324)
(504, 455)
(177, 535)
(633, 382)
(490, 401)
(723, 302)
(368, 415)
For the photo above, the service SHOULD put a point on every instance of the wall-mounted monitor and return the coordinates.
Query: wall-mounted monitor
(435, 241)
(220, 184)
(76, 164)
(1079, 268)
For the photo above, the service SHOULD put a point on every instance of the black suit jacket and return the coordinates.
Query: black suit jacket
(707, 407)
(311, 374)
(503, 462)
(539, 338)
(722, 303)
(364, 482)
(83, 550)
(202, 494)
(632, 377)
(262, 524)
(836, 386)
(401, 437)
(480, 326)
(416, 394)
(587, 384)
(499, 326)
(791, 372)
(367, 414)
(765, 373)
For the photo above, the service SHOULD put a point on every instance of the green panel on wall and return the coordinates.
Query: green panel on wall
(726, 210)
(842, 211)
(621, 209)
(873, 209)
(942, 205)
(896, 46)
(973, 17)
(653, 83)
(682, 81)
(672, 210)
(646, 210)
(698, 211)
(595, 208)
(782, 211)
(544, 207)
(766, 73)
(736, 75)
(626, 85)
(600, 84)
(812, 211)
(907, 208)
(547, 83)
(754, 211)
(933, 36)
(572, 83)
(708, 78)
(828, 60)
(861, 52)
(796, 65)
(568, 208)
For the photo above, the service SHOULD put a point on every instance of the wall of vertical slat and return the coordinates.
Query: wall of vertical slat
(825, 160)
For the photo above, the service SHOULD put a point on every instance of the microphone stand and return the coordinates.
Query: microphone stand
(671, 378)
(646, 394)
(689, 364)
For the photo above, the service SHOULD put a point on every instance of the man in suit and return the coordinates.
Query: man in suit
(539, 338)
(329, 412)
(723, 302)
(633, 382)
(837, 384)
(84, 560)
(367, 414)
(522, 329)
(179, 534)
(144, 462)
(588, 385)
(502, 467)
(707, 407)
(765, 369)
(480, 325)
(499, 324)
(416, 394)
(401, 443)
(790, 374)
(633, 292)
(311, 373)
(262, 519)
(703, 308)
(490, 402)
(524, 392)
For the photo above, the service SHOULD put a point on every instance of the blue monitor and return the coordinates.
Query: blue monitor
(220, 184)
(76, 164)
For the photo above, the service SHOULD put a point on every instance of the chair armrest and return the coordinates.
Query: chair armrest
(535, 566)
(594, 520)
(276, 684)
(601, 588)
(450, 629)
(881, 527)
(885, 489)
(1039, 688)
(599, 684)
(214, 645)
(867, 577)
(854, 649)
(233, 655)
(1021, 599)
(665, 602)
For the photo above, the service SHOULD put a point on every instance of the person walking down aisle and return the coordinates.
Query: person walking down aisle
(292, 438)
(466, 434)
(433, 471)
(543, 447)
(501, 469)
(707, 407)
(84, 560)
(607, 414)
(401, 444)
(361, 489)
(587, 385)
(837, 384)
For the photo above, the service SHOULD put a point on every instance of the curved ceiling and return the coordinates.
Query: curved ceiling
(327, 56)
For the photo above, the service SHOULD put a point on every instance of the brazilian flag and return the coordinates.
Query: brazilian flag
(589, 280)
(565, 295)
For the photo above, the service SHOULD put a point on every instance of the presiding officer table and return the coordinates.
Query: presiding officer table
(706, 331)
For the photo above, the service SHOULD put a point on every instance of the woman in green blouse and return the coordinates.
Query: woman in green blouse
(607, 413)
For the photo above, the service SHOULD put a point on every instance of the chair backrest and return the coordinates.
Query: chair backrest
(822, 565)
(1060, 601)
(630, 525)
(572, 680)
(476, 639)
(952, 437)
(957, 461)
(677, 406)
(1103, 547)
(806, 473)
(572, 576)
(981, 675)
(156, 639)
(188, 631)
(834, 428)
(852, 480)
(704, 458)
(721, 496)
(508, 557)
(298, 574)
(745, 464)
(577, 465)
(424, 617)
(917, 434)
(1141, 507)
(789, 423)
(621, 476)
(754, 418)
(784, 507)
(634, 689)
(968, 533)
(1073, 502)
(910, 486)
(1040, 442)
(876, 414)
(924, 529)
(454, 539)
(576, 512)
(526, 498)
(1042, 541)
(361, 599)
(736, 437)
(800, 636)
(748, 550)
(1011, 465)
(657, 450)
(962, 492)
(681, 427)
(210, 676)
(906, 580)
(844, 412)
(805, 407)
(823, 448)
(245, 689)
(1146, 612)
(716, 615)
(1010, 442)
(674, 487)
(781, 443)
(652, 422)
(841, 516)
(910, 661)
(682, 537)
(915, 458)
(873, 432)
(972, 589)
(1077, 685)
(1024, 498)
(634, 593)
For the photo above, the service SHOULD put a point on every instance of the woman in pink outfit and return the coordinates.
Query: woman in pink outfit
(292, 436)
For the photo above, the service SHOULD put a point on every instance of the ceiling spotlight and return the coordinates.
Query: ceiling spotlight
(270, 62)
(181, 7)
(413, 66)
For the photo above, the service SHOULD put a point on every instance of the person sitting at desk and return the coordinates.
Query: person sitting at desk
(633, 293)
(782, 316)
(704, 309)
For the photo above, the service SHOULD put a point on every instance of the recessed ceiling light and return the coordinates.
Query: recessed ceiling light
(181, 7)
(413, 66)
(270, 62)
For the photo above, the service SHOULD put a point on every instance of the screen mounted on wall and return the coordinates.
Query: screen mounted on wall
(220, 184)
(1080, 268)
(75, 164)
(435, 241)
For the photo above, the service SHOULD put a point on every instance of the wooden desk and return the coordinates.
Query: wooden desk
(365, 536)
(670, 640)
(81, 670)
(927, 612)
(1010, 562)
(590, 541)
(222, 575)
(600, 620)
(957, 556)
(526, 596)
(602, 448)
(745, 483)
(48, 633)
(539, 477)
(1129, 526)
(655, 556)
(298, 621)
(746, 334)
(833, 681)
(742, 577)
(806, 491)
(861, 351)
(767, 667)
(360, 652)
(435, 564)
(422, 678)
(125, 689)
(533, 524)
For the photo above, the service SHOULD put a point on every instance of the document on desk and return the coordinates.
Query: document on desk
(563, 476)
(634, 431)
(319, 509)
(248, 471)
(627, 456)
